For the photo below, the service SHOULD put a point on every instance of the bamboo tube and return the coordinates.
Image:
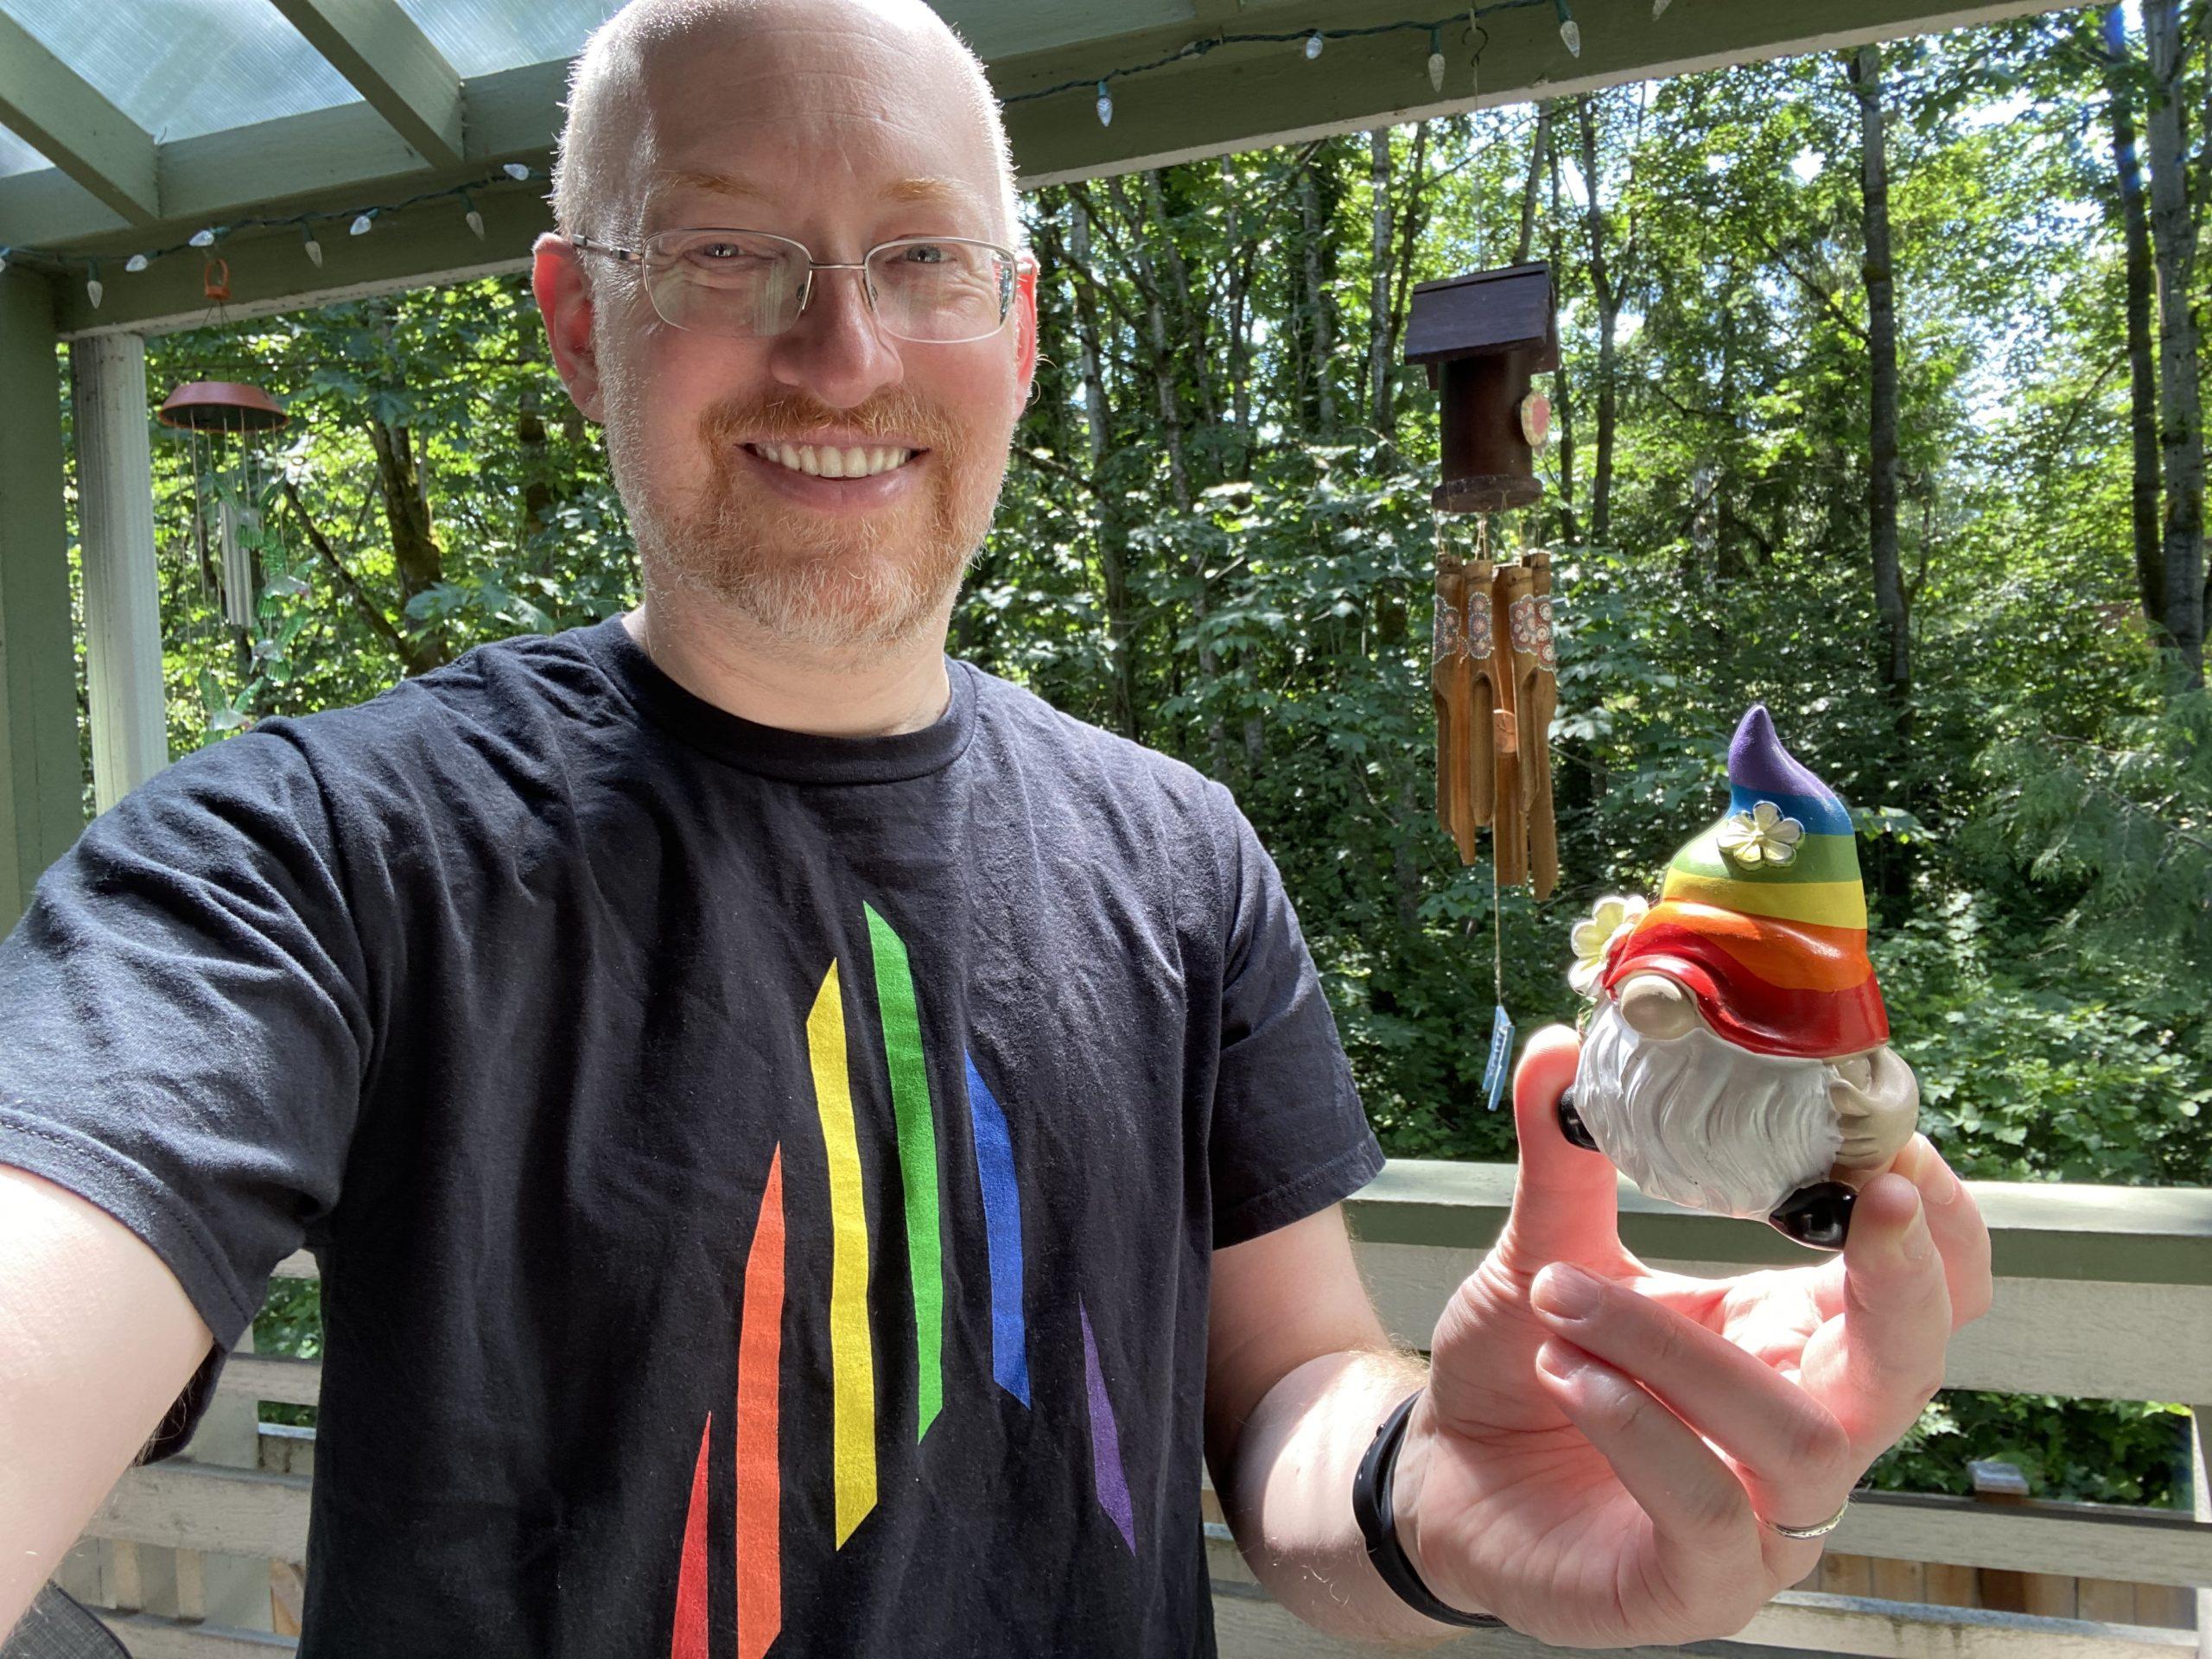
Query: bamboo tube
(1510, 820)
(1540, 702)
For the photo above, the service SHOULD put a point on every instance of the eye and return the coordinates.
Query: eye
(925, 254)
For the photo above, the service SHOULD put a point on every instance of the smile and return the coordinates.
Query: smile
(825, 460)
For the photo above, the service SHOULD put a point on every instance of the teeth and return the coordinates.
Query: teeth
(825, 460)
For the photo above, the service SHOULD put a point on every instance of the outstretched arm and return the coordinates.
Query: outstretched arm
(97, 1340)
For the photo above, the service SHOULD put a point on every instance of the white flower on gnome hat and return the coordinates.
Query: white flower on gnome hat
(1761, 836)
(1612, 919)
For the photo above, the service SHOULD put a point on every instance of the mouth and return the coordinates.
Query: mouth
(834, 460)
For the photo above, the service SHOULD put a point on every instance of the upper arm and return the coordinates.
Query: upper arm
(1279, 1300)
(97, 1340)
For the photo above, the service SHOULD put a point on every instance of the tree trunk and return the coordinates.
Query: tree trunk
(1378, 300)
(535, 464)
(2143, 381)
(1537, 145)
(1317, 303)
(1895, 673)
(1113, 535)
(415, 552)
(1562, 404)
(1607, 288)
(2181, 435)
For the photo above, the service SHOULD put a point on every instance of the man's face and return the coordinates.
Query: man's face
(840, 133)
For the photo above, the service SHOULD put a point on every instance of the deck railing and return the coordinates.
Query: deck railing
(2102, 1292)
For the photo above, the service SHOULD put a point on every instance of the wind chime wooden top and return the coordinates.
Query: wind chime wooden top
(1484, 337)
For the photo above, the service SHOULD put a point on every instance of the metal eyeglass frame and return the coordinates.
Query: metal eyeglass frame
(637, 256)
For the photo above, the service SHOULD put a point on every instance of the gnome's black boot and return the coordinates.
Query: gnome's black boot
(1819, 1215)
(1571, 1124)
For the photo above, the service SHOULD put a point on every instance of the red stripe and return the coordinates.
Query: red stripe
(691, 1638)
(760, 1526)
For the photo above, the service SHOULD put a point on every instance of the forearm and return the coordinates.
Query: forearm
(1287, 1496)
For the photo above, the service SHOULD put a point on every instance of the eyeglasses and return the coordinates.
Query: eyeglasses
(744, 284)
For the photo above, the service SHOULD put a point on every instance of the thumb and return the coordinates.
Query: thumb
(1565, 1202)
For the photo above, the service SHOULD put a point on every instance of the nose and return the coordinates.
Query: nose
(835, 350)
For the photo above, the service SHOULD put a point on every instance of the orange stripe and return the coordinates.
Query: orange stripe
(689, 1641)
(1796, 956)
(759, 1484)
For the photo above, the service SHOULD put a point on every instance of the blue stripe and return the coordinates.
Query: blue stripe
(1821, 814)
(1002, 1232)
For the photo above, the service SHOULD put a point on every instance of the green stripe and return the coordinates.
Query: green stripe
(910, 1102)
(1820, 858)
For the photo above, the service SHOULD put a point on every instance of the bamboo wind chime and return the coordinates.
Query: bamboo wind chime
(1493, 677)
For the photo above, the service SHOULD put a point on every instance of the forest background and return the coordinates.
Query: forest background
(1869, 408)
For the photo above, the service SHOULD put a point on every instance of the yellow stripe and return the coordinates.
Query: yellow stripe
(1824, 904)
(852, 1359)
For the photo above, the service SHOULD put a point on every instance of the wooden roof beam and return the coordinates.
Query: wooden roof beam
(394, 65)
(59, 114)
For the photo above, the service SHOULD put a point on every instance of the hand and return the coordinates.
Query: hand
(1595, 1449)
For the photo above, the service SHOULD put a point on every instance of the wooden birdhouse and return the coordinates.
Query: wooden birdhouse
(1484, 337)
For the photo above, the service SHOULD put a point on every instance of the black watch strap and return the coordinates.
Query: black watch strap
(1378, 1523)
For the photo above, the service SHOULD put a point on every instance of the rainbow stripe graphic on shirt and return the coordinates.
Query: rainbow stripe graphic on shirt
(847, 1462)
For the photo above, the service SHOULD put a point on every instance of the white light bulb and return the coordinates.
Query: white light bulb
(1436, 71)
(314, 253)
(136, 262)
(1658, 9)
(93, 290)
(515, 171)
(1314, 44)
(475, 222)
(203, 239)
(1571, 32)
(1105, 106)
(359, 226)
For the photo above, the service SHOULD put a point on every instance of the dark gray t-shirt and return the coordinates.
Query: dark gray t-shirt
(764, 1185)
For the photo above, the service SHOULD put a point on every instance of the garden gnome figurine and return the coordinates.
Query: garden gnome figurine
(1737, 1058)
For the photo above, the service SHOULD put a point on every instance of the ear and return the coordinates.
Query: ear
(564, 299)
(1025, 328)
(1657, 1006)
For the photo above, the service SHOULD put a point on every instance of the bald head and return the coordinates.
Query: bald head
(636, 88)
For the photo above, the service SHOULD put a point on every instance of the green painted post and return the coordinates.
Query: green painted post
(41, 768)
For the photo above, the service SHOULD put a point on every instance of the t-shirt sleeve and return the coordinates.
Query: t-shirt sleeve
(182, 1028)
(1287, 1135)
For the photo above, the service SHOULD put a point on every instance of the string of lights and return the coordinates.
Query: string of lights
(1311, 42)
(358, 221)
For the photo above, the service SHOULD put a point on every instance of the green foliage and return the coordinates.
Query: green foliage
(2100, 1451)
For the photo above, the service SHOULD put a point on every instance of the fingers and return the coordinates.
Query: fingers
(1564, 1202)
(1955, 1221)
(1792, 1456)
(1703, 1524)
(1882, 1361)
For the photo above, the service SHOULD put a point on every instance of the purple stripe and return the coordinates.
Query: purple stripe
(1105, 1444)
(1756, 759)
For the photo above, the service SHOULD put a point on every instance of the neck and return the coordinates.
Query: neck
(870, 692)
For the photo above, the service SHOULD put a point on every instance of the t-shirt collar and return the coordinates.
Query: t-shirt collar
(797, 757)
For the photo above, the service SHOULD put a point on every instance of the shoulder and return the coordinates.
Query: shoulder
(1021, 730)
(499, 723)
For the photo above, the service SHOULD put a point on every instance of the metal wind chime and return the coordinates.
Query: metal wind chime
(1493, 675)
(221, 419)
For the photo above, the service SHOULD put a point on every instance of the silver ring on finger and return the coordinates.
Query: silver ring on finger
(1821, 1531)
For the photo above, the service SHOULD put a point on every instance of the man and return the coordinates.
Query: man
(806, 1145)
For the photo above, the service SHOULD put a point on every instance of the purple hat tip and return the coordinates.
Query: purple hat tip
(1757, 761)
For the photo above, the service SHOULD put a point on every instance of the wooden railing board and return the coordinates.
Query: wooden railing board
(2079, 1337)
(274, 1377)
(2039, 1230)
(180, 1505)
(150, 1638)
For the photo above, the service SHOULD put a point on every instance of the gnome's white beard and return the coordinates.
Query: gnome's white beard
(1700, 1122)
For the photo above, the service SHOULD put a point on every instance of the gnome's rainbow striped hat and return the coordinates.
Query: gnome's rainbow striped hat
(1764, 916)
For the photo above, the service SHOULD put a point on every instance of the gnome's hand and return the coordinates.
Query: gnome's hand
(1876, 1101)
(1601, 1446)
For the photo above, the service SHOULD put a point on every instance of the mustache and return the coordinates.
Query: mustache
(790, 415)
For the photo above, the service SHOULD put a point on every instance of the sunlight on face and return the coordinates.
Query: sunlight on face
(840, 130)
